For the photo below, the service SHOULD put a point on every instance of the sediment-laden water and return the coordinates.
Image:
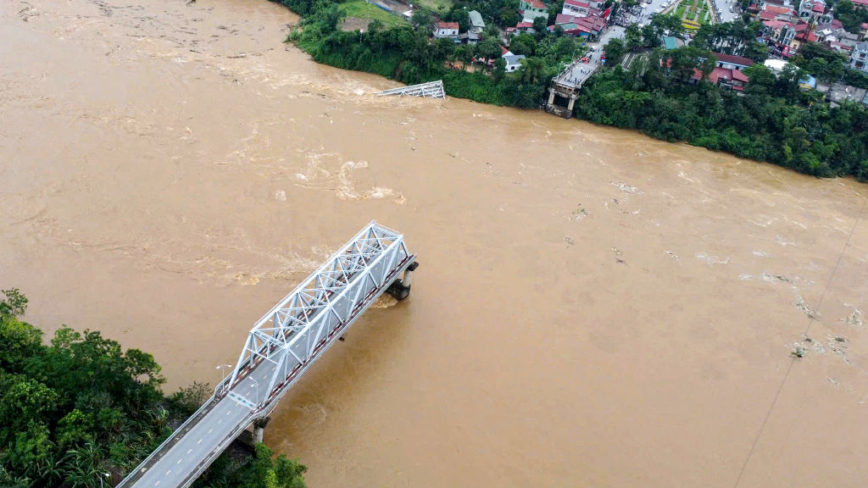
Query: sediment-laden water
(594, 308)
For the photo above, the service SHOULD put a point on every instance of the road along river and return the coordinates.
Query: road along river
(594, 308)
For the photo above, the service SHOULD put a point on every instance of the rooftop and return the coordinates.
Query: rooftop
(776, 24)
(669, 43)
(513, 58)
(476, 19)
(447, 25)
(733, 59)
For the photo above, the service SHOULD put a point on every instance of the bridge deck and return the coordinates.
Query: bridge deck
(280, 348)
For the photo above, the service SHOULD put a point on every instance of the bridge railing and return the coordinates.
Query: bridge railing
(173, 437)
(302, 326)
(321, 302)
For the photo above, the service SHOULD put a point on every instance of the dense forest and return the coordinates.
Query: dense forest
(774, 121)
(81, 412)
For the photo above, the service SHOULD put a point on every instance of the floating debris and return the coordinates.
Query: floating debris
(618, 255)
(579, 213)
(811, 313)
(855, 317)
(711, 260)
(626, 188)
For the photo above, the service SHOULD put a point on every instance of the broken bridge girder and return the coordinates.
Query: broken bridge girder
(432, 89)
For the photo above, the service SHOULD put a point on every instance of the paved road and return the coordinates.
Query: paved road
(725, 14)
(199, 442)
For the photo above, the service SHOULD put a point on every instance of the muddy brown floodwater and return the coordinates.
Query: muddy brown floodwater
(594, 308)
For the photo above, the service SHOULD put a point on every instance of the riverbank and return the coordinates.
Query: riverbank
(774, 121)
(172, 171)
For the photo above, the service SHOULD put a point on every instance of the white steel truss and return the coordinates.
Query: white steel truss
(432, 89)
(293, 333)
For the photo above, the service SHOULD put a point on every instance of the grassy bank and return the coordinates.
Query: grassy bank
(364, 10)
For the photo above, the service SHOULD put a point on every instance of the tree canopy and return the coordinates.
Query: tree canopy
(81, 412)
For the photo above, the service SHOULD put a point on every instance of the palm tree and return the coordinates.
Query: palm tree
(531, 70)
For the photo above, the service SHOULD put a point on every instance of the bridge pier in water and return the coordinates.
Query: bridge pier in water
(279, 349)
(259, 429)
(400, 289)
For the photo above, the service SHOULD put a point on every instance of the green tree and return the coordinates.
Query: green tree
(633, 36)
(531, 70)
(523, 44)
(539, 25)
(488, 49)
(499, 69)
(15, 304)
(19, 341)
(422, 18)
(756, 51)
(615, 50)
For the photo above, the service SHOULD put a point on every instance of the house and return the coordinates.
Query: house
(776, 12)
(469, 38)
(863, 31)
(859, 57)
(815, 10)
(729, 61)
(590, 27)
(840, 47)
(513, 62)
(576, 8)
(724, 77)
(579, 7)
(476, 23)
(776, 66)
(531, 9)
(803, 35)
(779, 33)
(860, 3)
(446, 30)
(521, 28)
(837, 93)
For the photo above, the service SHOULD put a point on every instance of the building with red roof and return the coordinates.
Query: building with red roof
(731, 61)
(531, 9)
(724, 77)
(446, 30)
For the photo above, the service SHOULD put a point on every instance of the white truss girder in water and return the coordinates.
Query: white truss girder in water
(293, 333)
(432, 89)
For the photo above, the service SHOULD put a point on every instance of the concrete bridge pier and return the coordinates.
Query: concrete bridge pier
(259, 429)
(400, 289)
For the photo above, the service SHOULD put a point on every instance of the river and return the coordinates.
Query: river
(593, 307)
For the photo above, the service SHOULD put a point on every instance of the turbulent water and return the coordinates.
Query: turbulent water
(594, 308)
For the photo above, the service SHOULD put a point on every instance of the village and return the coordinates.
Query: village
(786, 28)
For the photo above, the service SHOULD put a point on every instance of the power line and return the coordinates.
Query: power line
(811, 319)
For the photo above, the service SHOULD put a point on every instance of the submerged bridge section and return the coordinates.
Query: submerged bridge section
(433, 89)
(282, 345)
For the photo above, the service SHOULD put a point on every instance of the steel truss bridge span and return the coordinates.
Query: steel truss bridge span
(280, 347)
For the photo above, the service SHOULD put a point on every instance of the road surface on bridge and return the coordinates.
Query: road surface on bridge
(279, 349)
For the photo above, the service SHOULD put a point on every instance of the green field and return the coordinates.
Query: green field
(364, 10)
(435, 4)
